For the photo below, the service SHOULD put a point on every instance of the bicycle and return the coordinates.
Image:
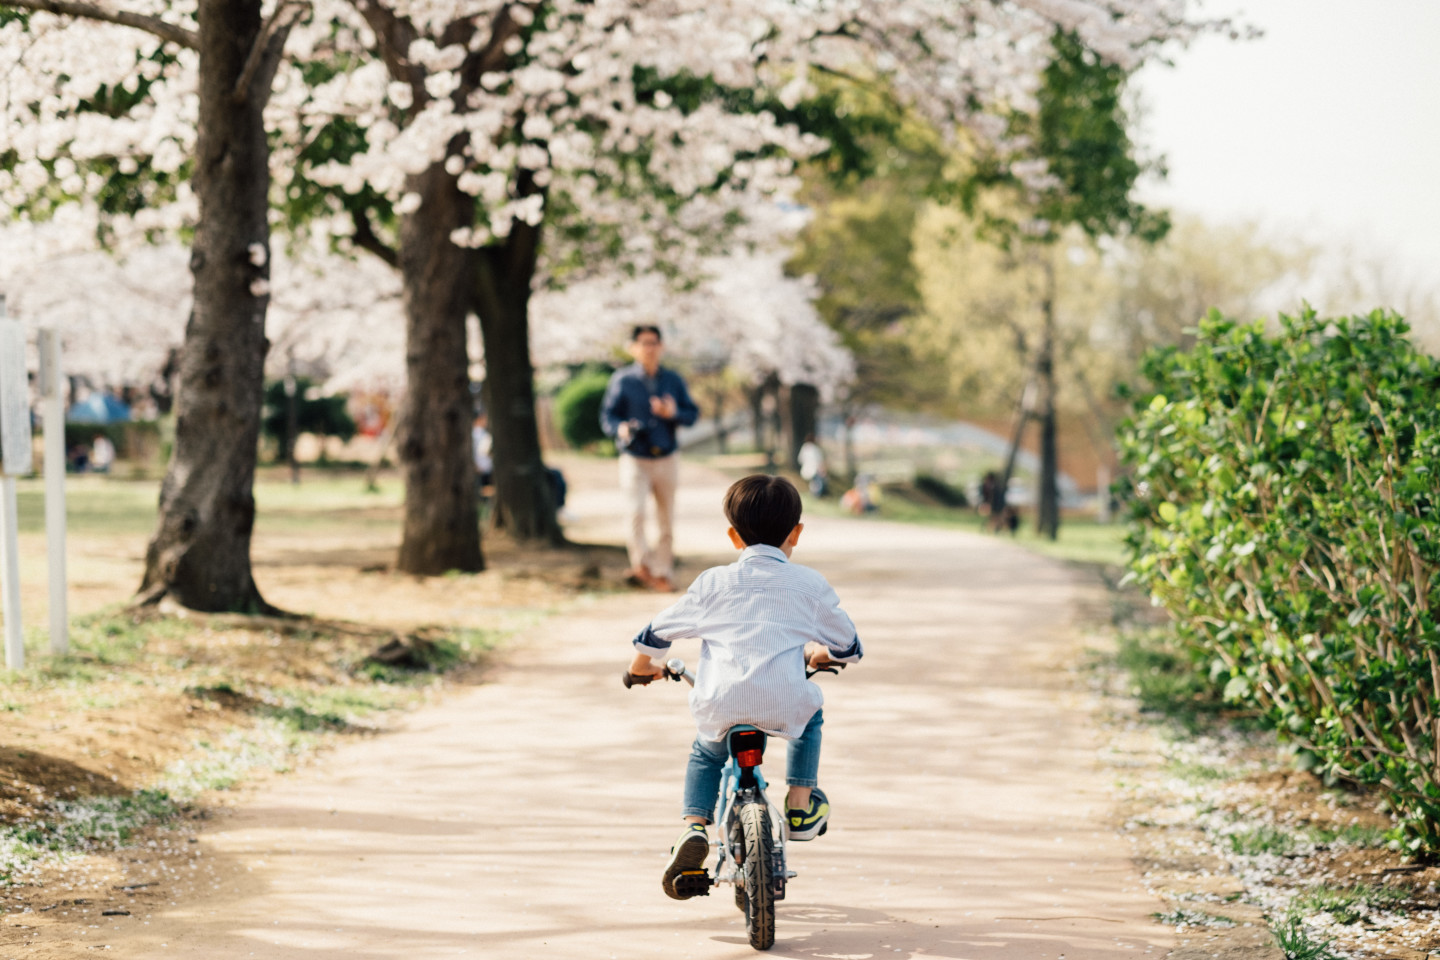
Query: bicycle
(752, 853)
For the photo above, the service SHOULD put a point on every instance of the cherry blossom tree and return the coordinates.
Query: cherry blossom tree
(90, 86)
(451, 137)
(609, 129)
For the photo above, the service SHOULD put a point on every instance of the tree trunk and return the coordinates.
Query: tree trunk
(804, 407)
(776, 411)
(757, 415)
(524, 504)
(200, 553)
(442, 516)
(292, 418)
(1048, 514)
(1001, 492)
(717, 417)
(848, 414)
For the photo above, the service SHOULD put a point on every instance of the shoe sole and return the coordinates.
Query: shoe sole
(811, 833)
(688, 857)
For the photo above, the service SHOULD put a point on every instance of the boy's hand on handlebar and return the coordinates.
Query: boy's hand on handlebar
(817, 657)
(643, 666)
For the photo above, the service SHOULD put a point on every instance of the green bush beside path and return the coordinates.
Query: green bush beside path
(1286, 516)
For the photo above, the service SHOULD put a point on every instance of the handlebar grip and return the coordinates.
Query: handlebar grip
(633, 679)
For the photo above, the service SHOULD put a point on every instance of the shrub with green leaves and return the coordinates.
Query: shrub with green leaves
(1285, 514)
(577, 408)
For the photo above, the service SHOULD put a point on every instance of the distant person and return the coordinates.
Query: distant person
(480, 444)
(860, 498)
(812, 466)
(102, 453)
(1009, 520)
(644, 406)
(986, 501)
(558, 487)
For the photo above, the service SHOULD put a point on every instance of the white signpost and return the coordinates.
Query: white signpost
(15, 460)
(52, 393)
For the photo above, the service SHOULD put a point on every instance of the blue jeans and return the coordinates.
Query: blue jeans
(707, 759)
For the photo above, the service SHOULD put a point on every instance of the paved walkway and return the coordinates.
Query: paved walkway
(530, 817)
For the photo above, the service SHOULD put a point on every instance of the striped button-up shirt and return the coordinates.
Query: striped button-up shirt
(753, 619)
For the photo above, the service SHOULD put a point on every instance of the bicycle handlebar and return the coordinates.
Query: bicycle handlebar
(675, 670)
(640, 679)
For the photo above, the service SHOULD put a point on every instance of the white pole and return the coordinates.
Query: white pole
(10, 573)
(9, 516)
(52, 387)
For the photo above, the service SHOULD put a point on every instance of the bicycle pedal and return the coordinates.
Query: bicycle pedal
(693, 883)
(823, 828)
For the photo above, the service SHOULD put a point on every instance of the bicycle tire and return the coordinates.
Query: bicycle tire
(737, 852)
(759, 843)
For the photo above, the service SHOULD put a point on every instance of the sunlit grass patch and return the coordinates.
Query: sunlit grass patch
(1193, 918)
(1346, 905)
(1296, 942)
(1362, 835)
(272, 743)
(1196, 772)
(80, 826)
(1262, 840)
(1166, 680)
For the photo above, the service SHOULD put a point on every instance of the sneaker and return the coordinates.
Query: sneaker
(687, 858)
(809, 823)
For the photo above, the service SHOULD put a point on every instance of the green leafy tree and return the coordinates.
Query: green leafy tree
(1077, 173)
(868, 192)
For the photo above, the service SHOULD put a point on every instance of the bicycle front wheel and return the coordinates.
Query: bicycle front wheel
(759, 844)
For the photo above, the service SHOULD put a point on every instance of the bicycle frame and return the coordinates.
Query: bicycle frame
(734, 791)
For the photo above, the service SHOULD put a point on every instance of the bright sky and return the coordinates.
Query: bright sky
(1327, 126)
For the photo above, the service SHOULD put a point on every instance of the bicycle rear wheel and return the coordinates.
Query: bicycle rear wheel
(759, 844)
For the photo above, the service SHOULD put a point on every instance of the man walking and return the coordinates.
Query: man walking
(644, 405)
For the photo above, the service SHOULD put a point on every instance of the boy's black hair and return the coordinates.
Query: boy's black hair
(642, 328)
(763, 509)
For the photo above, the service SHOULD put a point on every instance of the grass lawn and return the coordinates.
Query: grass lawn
(110, 506)
(1081, 539)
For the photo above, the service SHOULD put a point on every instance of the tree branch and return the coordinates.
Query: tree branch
(264, 58)
(365, 238)
(169, 32)
(393, 36)
(491, 56)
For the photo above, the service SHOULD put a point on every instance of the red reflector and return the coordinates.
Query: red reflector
(749, 758)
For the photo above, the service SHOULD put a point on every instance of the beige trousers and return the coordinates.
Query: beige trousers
(641, 478)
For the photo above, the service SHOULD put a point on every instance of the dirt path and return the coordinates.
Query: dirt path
(530, 817)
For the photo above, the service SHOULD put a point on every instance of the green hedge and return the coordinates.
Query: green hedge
(577, 408)
(321, 415)
(1286, 515)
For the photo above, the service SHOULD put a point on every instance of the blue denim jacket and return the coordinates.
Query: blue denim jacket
(628, 398)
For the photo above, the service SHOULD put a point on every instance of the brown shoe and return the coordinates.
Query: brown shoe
(639, 577)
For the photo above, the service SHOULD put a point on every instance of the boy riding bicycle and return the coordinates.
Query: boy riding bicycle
(760, 621)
